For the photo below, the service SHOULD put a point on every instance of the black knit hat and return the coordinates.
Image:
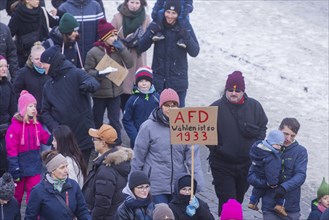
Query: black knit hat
(48, 55)
(7, 187)
(174, 5)
(186, 181)
(137, 178)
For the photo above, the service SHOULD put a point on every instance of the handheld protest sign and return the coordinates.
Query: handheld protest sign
(194, 125)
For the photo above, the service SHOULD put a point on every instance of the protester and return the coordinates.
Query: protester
(266, 163)
(232, 210)
(170, 60)
(9, 205)
(57, 3)
(23, 140)
(131, 22)
(108, 95)
(294, 166)
(321, 203)
(66, 98)
(184, 207)
(162, 161)
(138, 202)
(163, 212)
(104, 183)
(241, 121)
(65, 143)
(56, 196)
(140, 105)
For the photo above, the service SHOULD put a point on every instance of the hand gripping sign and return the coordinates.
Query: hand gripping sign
(195, 125)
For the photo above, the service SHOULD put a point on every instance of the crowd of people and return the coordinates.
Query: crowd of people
(61, 70)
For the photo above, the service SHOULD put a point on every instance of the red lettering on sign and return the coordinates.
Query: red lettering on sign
(203, 116)
(179, 117)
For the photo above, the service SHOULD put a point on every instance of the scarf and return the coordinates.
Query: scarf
(109, 49)
(139, 205)
(160, 117)
(147, 96)
(131, 19)
(39, 69)
(58, 184)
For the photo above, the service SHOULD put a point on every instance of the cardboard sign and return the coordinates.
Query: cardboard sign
(116, 77)
(197, 125)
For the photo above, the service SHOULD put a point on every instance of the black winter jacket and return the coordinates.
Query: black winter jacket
(315, 213)
(8, 101)
(104, 184)
(10, 211)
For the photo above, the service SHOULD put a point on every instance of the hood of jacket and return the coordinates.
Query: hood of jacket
(56, 36)
(178, 198)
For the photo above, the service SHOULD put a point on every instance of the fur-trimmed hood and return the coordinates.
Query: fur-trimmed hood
(118, 155)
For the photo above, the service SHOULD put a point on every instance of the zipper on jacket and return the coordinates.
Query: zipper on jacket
(2, 215)
(172, 170)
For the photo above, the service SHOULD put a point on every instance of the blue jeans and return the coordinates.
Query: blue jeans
(273, 216)
(162, 198)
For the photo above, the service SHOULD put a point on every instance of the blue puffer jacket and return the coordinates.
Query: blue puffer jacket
(170, 68)
(294, 159)
(10, 211)
(315, 213)
(44, 203)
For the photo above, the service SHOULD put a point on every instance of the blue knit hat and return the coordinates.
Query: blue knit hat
(275, 137)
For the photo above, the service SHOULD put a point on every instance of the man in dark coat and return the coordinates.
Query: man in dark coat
(241, 121)
(66, 98)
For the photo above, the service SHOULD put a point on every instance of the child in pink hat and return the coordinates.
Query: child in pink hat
(23, 140)
(231, 210)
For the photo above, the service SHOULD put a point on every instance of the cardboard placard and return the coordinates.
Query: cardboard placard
(116, 77)
(196, 125)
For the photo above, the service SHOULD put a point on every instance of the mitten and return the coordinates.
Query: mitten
(155, 27)
(184, 34)
(84, 87)
(280, 192)
(118, 45)
(16, 174)
(190, 210)
(194, 202)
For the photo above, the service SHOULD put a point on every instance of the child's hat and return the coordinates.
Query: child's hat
(232, 209)
(275, 137)
(24, 100)
(144, 72)
(323, 189)
(7, 187)
(163, 212)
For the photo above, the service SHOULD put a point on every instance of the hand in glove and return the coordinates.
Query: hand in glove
(155, 27)
(84, 88)
(106, 71)
(184, 34)
(118, 45)
(280, 192)
(192, 207)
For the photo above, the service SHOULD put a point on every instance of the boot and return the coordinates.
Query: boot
(181, 43)
(253, 206)
(279, 209)
(158, 36)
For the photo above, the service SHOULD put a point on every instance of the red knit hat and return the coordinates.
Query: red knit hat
(168, 95)
(143, 72)
(232, 209)
(24, 100)
(105, 29)
(235, 81)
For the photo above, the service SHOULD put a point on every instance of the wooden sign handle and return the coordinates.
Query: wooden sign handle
(192, 171)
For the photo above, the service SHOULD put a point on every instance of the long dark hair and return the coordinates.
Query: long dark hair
(68, 146)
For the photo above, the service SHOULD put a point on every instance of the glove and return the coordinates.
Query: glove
(106, 71)
(184, 34)
(192, 207)
(16, 174)
(194, 202)
(118, 45)
(280, 192)
(84, 88)
(155, 27)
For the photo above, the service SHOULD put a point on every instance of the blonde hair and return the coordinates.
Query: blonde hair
(37, 46)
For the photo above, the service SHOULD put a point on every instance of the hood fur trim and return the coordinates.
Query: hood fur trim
(121, 155)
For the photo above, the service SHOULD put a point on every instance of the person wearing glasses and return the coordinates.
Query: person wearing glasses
(162, 161)
(138, 203)
(266, 164)
(109, 174)
(241, 122)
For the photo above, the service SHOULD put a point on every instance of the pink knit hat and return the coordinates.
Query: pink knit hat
(168, 95)
(24, 100)
(231, 210)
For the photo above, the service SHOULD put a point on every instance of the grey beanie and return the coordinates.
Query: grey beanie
(7, 187)
(162, 211)
(275, 137)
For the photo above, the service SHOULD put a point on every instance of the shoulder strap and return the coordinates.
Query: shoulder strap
(62, 202)
(46, 17)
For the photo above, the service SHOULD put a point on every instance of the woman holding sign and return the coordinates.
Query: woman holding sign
(108, 95)
(162, 161)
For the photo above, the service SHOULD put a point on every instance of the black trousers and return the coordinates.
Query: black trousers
(230, 181)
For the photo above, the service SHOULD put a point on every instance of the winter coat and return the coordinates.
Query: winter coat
(266, 162)
(10, 211)
(57, 3)
(107, 88)
(133, 208)
(55, 37)
(44, 203)
(139, 60)
(138, 108)
(233, 146)
(25, 21)
(161, 161)
(315, 212)
(8, 101)
(178, 205)
(29, 79)
(294, 165)
(104, 184)
(169, 64)
(8, 50)
(87, 13)
(23, 142)
(66, 100)
(75, 172)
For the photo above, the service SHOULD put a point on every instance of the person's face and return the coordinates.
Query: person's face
(186, 191)
(99, 145)
(54, 143)
(142, 191)
(133, 5)
(325, 201)
(31, 110)
(73, 36)
(61, 172)
(144, 85)
(171, 16)
(45, 66)
(32, 3)
(35, 58)
(167, 106)
(110, 40)
(234, 95)
(289, 136)
(3, 68)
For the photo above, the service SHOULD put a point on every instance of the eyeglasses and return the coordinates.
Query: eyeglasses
(7, 65)
(96, 139)
(167, 105)
(186, 189)
(235, 90)
(146, 187)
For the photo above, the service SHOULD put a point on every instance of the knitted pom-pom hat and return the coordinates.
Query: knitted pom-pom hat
(143, 72)
(168, 95)
(24, 100)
